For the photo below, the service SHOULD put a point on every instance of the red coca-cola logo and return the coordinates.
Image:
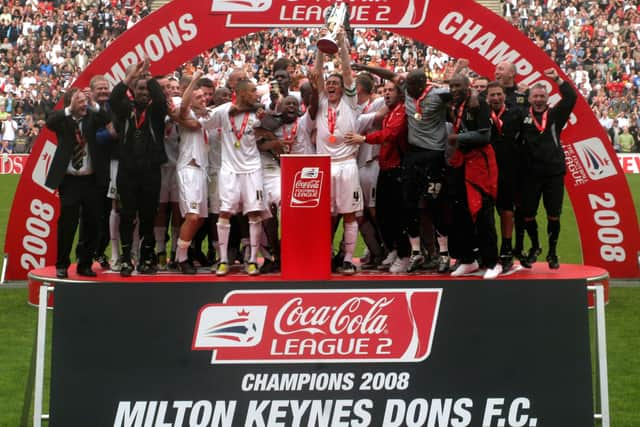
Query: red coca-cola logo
(331, 326)
(355, 315)
(307, 185)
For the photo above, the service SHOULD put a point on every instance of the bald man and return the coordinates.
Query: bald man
(236, 75)
(505, 74)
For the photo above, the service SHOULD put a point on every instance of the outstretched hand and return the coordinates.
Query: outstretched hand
(342, 38)
(315, 78)
(353, 138)
(138, 70)
(522, 87)
(461, 65)
(552, 74)
(87, 92)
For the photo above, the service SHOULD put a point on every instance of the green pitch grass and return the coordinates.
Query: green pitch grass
(18, 329)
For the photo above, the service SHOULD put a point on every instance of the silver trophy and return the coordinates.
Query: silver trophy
(337, 17)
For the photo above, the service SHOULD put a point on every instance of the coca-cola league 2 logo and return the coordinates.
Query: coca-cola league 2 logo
(307, 184)
(282, 326)
(311, 13)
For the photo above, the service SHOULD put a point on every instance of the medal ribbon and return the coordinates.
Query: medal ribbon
(419, 100)
(331, 118)
(292, 133)
(140, 120)
(236, 132)
(458, 122)
(206, 136)
(388, 117)
(496, 118)
(540, 126)
(366, 107)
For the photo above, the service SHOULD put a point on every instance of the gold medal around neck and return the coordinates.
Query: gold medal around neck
(417, 116)
(237, 144)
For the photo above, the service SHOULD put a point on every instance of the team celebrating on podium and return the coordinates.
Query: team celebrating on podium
(419, 168)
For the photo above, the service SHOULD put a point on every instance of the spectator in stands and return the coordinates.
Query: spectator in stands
(614, 132)
(20, 145)
(626, 141)
(9, 129)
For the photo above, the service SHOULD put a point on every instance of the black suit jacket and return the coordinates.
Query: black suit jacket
(65, 129)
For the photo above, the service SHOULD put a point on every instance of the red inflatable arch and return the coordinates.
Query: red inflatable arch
(182, 29)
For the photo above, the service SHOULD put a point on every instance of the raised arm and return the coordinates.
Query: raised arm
(345, 59)
(185, 104)
(134, 72)
(562, 110)
(318, 69)
(315, 80)
(378, 71)
(158, 105)
(393, 130)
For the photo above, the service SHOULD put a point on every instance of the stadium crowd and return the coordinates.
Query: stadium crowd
(44, 45)
(447, 130)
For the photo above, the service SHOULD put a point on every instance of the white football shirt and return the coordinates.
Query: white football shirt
(346, 114)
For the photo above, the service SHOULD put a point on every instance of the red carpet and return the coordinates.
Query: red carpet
(540, 271)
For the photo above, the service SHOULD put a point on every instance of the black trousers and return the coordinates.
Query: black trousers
(420, 168)
(103, 222)
(390, 210)
(139, 193)
(102, 227)
(548, 188)
(466, 235)
(79, 200)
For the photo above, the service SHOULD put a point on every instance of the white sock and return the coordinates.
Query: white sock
(255, 234)
(415, 244)
(183, 250)
(159, 233)
(350, 237)
(114, 233)
(114, 224)
(224, 229)
(115, 251)
(443, 243)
